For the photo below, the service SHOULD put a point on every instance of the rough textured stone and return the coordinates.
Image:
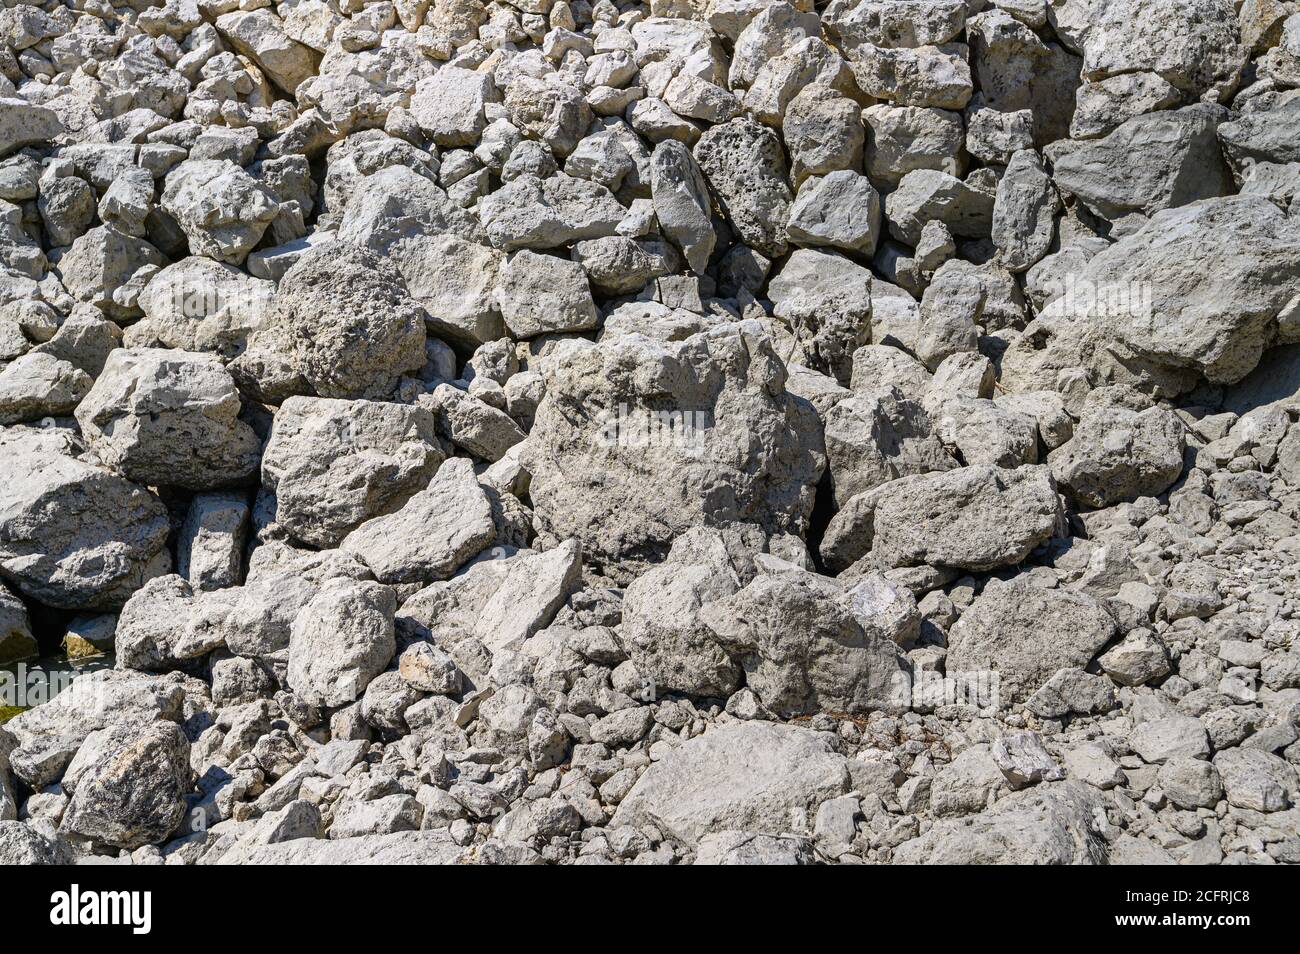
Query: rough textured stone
(1025, 634)
(163, 417)
(334, 464)
(973, 518)
(77, 536)
(130, 793)
(809, 645)
(434, 534)
(344, 323)
(608, 467)
(341, 639)
(735, 778)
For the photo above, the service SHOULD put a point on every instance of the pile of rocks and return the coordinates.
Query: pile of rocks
(723, 431)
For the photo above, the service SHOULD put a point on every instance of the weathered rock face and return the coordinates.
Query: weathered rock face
(1154, 161)
(220, 207)
(668, 640)
(127, 784)
(1180, 297)
(637, 441)
(343, 322)
(434, 534)
(877, 437)
(745, 777)
(745, 167)
(1042, 826)
(334, 464)
(809, 645)
(1024, 634)
(1117, 453)
(74, 535)
(972, 518)
(164, 417)
(341, 639)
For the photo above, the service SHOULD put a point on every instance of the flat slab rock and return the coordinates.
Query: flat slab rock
(399, 848)
(748, 777)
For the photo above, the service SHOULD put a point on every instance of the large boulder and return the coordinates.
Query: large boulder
(681, 202)
(825, 298)
(169, 418)
(21, 844)
(663, 626)
(1257, 780)
(638, 440)
(25, 124)
(1045, 825)
(1025, 634)
(261, 36)
(334, 464)
(544, 294)
(257, 618)
(38, 385)
(16, 643)
(1266, 133)
(745, 167)
(495, 604)
(76, 536)
(165, 625)
(454, 280)
(128, 784)
(903, 138)
(1152, 162)
(809, 644)
(341, 640)
(530, 212)
(749, 776)
(448, 106)
(344, 322)
(433, 535)
(877, 436)
(101, 699)
(840, 210)
(973, 518)
(220, 207)
(1182, 297)
(1024, 212)
(1130, 38)
(397, 203)
(1119, 453)
(198, 304)
(105, 267)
